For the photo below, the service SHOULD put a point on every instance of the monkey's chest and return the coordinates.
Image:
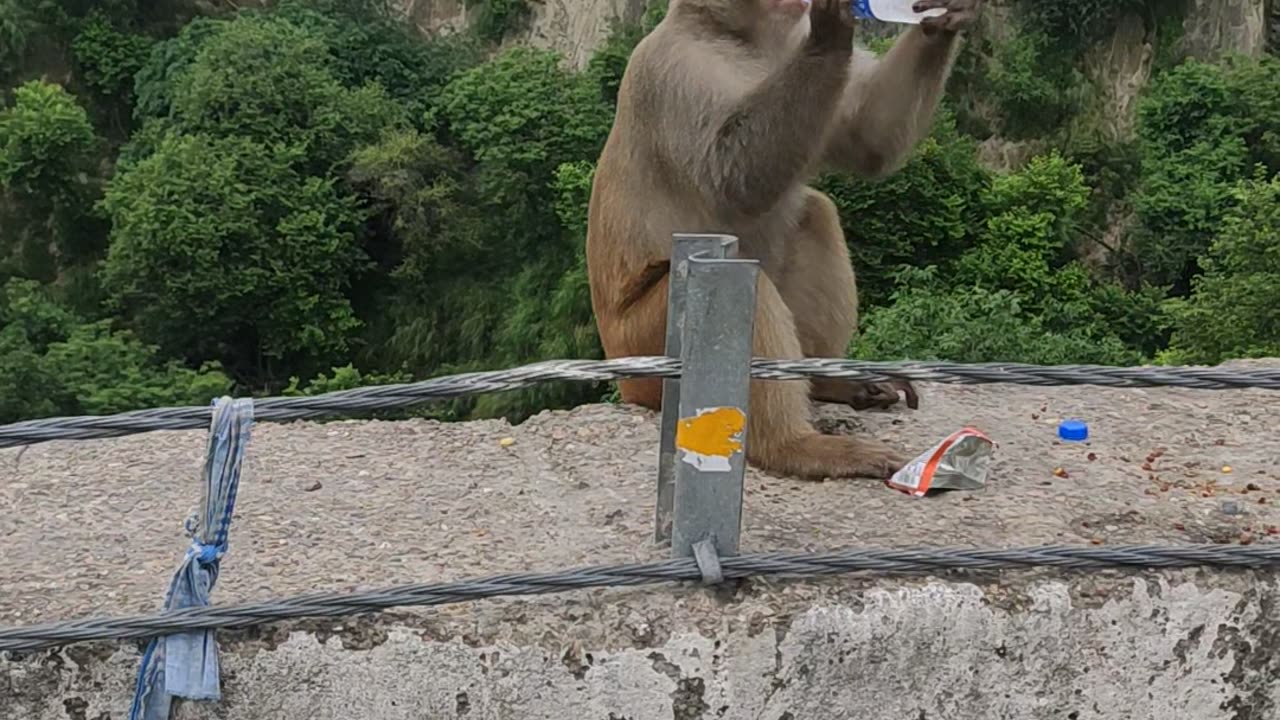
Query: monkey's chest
(768, 238)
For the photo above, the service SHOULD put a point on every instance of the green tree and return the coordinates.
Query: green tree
(52, 362)
(487, 272)
(221, 249)
(18, 24)
(270, 80)
(930, 320)
(928, 211)
(47, 153)
(46, 142)
(109, 58)
(371, 43)
(494, 19)
(1202, 127)
(1232, 312)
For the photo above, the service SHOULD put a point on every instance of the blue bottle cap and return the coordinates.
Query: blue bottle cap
(1073, 431)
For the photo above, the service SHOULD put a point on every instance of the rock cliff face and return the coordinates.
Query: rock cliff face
(1217, 26)
(1121, 67)
(572, 27)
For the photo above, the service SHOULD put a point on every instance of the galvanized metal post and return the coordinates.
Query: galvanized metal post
(711, 431)
(683, 246)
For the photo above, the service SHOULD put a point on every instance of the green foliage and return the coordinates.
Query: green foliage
(1232, 312)
(370, 43)
(270, 80)
(523, 112)
(1079, 22)
(493, 19)
(488, 268)
(66, 15)
(347, 377)
(221, 249)
(1032, 217)
(931, 320)
(1202, 127)
(18, 25)
(311, 190)
(167, 64)
(54, 363)
(609, 61)
(1034, 84)
(47, 153)
(1014, 290)
(108, 58)
(928, 211)
(46, 141)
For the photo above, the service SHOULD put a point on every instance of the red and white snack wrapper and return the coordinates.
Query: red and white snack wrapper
(959, 462)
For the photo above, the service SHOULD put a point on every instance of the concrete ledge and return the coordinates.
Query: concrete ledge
(1162, 646)
(95, 528)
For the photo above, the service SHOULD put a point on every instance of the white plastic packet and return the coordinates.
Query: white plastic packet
(894, 11)
(959, 462)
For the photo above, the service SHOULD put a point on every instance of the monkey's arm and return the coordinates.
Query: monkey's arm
(889, 104)
(743, 150)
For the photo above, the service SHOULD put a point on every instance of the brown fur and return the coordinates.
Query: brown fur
(725, 113)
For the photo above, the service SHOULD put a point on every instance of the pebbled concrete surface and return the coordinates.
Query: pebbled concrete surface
(94, 528)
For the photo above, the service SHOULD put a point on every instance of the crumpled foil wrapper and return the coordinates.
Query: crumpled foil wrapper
(959, 462)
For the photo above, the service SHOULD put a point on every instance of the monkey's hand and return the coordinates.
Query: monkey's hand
(959, 15)
(882, 395)
(831, 26)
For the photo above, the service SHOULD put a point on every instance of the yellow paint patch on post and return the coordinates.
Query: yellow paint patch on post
(711, 437)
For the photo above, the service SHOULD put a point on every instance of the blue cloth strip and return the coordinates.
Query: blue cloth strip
(186, 664)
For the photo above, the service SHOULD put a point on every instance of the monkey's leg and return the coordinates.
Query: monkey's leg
(781, 437)
(818, 285)
(639, 330)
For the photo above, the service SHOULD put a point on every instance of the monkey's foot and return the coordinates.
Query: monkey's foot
(816, 456)
(865, 395)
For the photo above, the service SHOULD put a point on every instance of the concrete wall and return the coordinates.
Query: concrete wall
(94, 528)
(1162, 646)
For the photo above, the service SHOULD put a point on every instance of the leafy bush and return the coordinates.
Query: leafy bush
(488, 262)
(370, 43)
(1035, 85)
(493, 19)
(1080, 22)
(930, 320)
(1232, 312)
(270, 80)
(47, 153)
(926, 212)
(221, 249)
(168, 62)
(1201, 128)
(108, 58)
(54, 363)
(46, 142)
(18, 24)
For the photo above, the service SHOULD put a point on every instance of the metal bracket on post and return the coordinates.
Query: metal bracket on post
(684, 245)
(711, 430)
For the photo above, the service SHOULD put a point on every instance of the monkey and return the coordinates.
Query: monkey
(725, 113)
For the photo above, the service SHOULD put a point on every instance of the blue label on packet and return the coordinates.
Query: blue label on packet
(862, 9)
